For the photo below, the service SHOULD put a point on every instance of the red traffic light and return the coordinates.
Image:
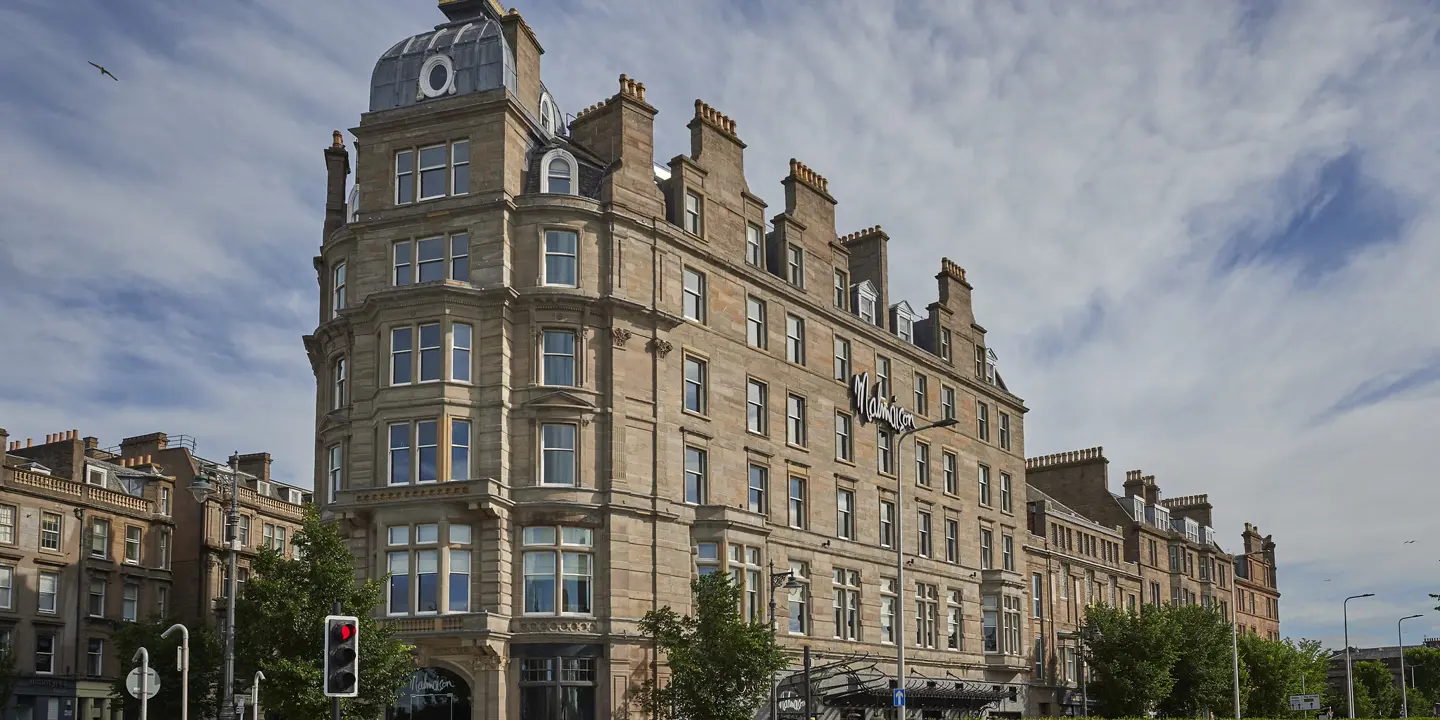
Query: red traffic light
(345, 631)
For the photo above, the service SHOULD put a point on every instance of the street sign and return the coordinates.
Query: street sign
(132, 684)
(899, 694)
(1304, 702)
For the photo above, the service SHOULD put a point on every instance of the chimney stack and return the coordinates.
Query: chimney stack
(337, 167)
(257, 464)
(868, 261)
(621, 131)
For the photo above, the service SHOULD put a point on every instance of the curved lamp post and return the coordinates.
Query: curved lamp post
(778, 581)
(1349, 679)
(1404, 694)
(184, 663)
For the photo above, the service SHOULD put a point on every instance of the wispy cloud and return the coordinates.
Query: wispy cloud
(1202, 235)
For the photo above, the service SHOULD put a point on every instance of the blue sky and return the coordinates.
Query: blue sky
(1203, 236)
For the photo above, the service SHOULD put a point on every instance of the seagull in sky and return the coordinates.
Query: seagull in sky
(103, 71)
(1409, 542)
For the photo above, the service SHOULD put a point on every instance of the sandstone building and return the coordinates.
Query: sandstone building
(557, 381)
(1257, 599)
(86, 543)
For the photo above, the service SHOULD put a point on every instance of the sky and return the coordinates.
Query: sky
(1201, 235)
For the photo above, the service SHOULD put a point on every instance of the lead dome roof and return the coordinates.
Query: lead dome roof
(473, 41)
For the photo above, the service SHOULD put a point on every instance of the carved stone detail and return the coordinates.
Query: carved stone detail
(619, 336)
(555, 626)
(661, 348)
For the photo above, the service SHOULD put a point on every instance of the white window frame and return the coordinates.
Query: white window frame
(573, 167)
(554, 252)
(337, 289)
(922, 394)
(924, 534)
(443, 168)
(459, 168)
(889, 602)
(947, 402)
(573, 356)
(54, 593)
(922, 463)
(846, 602)
(760, 505)
(337, 383)
(693, 291)
(887, 523)
(409, 353)
(952, 540)
(868, 302)
(754, 245)
(795, 265)
(99, 540)
(130, 602)
(401, 175)
(460, 451)
(845, 514)
(693, 213)
(435, 352)
(57, 534)
(757, 406)
(842, 359)
(335, 470)
(796, 499)
(796, 421)
(945, 345)
(698, 382)
(757, 325)
(460, 352)
(844, 437)
(91, 473)
(842, 290)
(698, 472)
(795, 339)
(573, 452)
(950, 471)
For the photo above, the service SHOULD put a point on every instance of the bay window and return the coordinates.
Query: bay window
(559, 570)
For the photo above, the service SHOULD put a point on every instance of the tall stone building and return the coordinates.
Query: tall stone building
(1073, 562)
(557, 381)
(85, 545)
(1257, 599)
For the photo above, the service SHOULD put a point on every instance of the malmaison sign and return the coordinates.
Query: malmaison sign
(870, 406)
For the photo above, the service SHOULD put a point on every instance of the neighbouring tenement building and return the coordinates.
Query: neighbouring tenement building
(1257, 599)
(557, 381)
(85, 545)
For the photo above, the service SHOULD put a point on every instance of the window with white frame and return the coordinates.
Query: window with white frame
(7, 524)
(334, 472)
(402, 353)
(795, 424)
(923, 545)
(903, 325)
(94, 657)
(7, 587)
(926, 611)
(882, 376)
(130, 602)
(842, 290)
(50, 531)
(696, 480)
(795, 265)
(844, 437)
(165, 549)
(757, 404)
(133, 539)
(48, 590)
(707, 558)
(845, 514)
(695, 384)
(337, 378)
(987, 549)
(842, 359)
(45, 655)
(885, 451)
(404, 177)
(755, 325)
(99, 538)
(887, 523)
(746, 573)
(414, 452)
(795, 339)
(990, 622)
(980, 361)
(922, 395)
(430, 354)
(1037, 595)
(982, 420)
(458, 597)
(947, 402)
(694, 220)
(1011, 606)
(460, 167)
(1007, 552)
(945, 345)
(759, 492)
(754, 239)
(984, 485)
(922, 463)
(949, 467)
(693, 295)
(799, 605)
(434, 172)
(558, 354)
(459, 450)
(559, 570)
(1005, 497)
(888, 601)
(1005, 431)
(952, 540)
(557, 454)
(460, 339)
(562, 258)
(559, 177)
(867, 299)
(432, 259)
(337, 289)
(846, 592)
(97, 598)
(797, 502)
(955, 613)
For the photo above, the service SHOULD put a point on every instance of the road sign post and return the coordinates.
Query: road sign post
(899, 697)
(1301, 703)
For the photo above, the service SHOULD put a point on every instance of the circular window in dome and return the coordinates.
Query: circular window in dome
(437, 76)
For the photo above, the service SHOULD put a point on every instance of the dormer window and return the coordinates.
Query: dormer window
(865, 299)
(795, 265)
(95, 476)
(903, 328)
(559, 173)
(547, 118)
(693, 220)
(902, 319)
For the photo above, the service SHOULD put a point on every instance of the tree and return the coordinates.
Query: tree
(280, 618)
(1375, 681)
(720, 664)
(1424, 663)
(1203, 663)
(8, 675)
(1130, 655)
(205, 661)
(1277, 669)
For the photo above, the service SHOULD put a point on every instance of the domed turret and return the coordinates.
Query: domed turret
(467, 54)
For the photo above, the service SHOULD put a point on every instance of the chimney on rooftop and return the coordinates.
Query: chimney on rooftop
(257, 464)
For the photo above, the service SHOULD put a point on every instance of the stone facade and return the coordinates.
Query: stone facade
(622, 375)
(86, 540)
(1257, 600)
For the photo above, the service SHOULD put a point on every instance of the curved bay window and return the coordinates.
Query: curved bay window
(558, 688)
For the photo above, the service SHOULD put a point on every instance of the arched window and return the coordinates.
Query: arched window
(547, 115)
(559, 173)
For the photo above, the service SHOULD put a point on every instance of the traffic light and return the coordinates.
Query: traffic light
(342, 656)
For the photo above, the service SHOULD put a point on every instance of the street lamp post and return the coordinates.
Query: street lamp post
(778, 581)
(1404, 693)
(255, 694)
(1235, 633)
(202, 490)
(900, 554)
(184, 658)
(1349, 679)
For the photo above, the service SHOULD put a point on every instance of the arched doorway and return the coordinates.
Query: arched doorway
(434, 693)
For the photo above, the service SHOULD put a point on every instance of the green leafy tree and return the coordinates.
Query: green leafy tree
(280, 619)
(8, 676)
(1203, 664)
(1130, 655)
(720, 664)
(1271, 664)
(1420, 704)
(1424, 663)
(1382, 697)
(205, 662)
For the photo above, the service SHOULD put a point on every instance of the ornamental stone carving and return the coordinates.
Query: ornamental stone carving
(661, 348)
(619, 336)
(555, 626)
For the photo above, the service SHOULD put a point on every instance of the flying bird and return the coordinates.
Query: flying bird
(1409, 542)
(103, 71)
